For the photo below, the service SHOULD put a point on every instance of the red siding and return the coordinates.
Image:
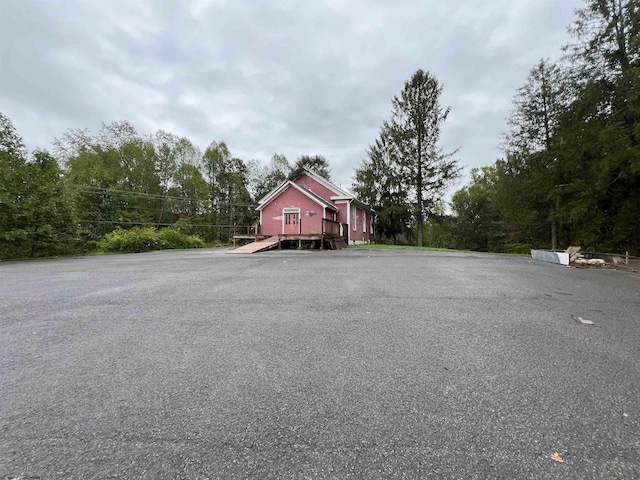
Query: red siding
(342, 213)
(310, 184)
(291, 198)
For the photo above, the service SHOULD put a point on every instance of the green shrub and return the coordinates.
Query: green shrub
(130, 241)
(147, 239)
(172, 238)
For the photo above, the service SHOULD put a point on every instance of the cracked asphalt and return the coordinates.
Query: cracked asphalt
(358, 363)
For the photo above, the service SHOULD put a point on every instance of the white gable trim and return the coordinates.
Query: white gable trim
(323, 181)
(302, 190)
(342, 197)
(317, 199)
(272, 194)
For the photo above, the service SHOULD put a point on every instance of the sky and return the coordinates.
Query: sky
(288, 77)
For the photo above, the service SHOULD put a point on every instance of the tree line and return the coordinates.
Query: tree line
(570, 174)
(68, 200)
(571, 170)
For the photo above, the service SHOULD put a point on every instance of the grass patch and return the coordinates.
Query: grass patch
(383, 246)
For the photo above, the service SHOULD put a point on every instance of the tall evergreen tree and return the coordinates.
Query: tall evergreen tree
(378, 181)
(533, 126)
(537, 107)
(416, 123)
(606, 33)
(10, 141)
(606, 59)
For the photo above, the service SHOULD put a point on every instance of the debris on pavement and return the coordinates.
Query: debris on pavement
(573, 257)
(583, 321)
(590, 261)
(574, 254)
(601, 260)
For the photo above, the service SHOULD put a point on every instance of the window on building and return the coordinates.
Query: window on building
(354, 217)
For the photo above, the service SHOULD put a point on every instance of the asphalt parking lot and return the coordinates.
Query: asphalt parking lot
(334, 364)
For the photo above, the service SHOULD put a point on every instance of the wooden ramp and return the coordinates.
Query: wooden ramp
(254, 247)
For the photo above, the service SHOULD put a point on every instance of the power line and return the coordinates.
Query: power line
(138, 208)
(155, 196)
(161, 224)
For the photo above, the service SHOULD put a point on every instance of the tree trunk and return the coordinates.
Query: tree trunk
(554, 235)
(419, 193)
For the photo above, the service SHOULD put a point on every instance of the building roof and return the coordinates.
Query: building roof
(340, 194)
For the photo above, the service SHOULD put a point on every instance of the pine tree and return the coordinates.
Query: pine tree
(533, 126)
(606, 60)
(416, 123)
(378, 182)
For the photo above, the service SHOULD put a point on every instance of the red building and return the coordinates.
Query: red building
(311, 205)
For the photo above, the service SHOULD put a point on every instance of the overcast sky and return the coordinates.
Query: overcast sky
(292, 77)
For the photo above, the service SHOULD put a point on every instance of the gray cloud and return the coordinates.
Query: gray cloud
(288, 77)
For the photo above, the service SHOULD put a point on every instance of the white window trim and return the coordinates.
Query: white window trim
(348, 215)
(355, 218)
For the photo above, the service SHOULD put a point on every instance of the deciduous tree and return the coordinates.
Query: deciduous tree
(317, 163)
(264, 178)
